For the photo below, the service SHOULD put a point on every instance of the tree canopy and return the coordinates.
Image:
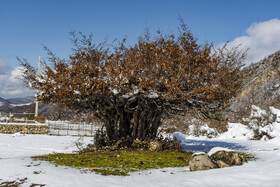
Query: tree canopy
(130, 87)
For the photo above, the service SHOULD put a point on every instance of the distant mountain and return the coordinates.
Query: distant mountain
(15, 105)
(3, 101)
(27, 105)
(21, 100)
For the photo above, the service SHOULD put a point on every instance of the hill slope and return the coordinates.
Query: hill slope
(261, 86)
(3, 101)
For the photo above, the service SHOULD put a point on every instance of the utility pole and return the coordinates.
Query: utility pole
(36, 102)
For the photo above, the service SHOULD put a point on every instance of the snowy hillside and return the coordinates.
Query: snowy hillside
(261, 86)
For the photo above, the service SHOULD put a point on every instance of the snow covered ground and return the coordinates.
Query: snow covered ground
(15, 163)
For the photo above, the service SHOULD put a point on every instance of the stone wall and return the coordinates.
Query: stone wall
(24, 129)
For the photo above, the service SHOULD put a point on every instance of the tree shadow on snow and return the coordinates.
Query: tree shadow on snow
(191, 145)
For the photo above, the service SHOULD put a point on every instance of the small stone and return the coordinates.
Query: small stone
(36, 172)
(155, 146)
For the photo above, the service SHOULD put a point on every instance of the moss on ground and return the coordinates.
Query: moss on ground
(118, 162)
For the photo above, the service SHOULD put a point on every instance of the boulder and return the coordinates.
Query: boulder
(201, 162)
(155, 145)
(229, 157)
(221, 164)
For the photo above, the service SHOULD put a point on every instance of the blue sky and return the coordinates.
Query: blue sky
(26, 25)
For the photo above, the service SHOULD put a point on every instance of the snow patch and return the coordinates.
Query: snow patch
(216, 149)
(178, 136)
(152, 95)
(237, 131)
(199, 153)
(40, 80)
(264, 123)
(257, 111)
(115, 91)
(77, 92)
(15, 105)
(5, 118)
(202, 131)
(17, 134)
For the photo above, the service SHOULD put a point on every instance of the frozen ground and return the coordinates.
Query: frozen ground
(15, 163)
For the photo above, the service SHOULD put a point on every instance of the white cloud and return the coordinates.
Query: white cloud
(16, 73)
(261, 38)
(10, 86)
(4, 67)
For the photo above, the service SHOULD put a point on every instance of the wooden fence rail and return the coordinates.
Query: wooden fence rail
(65, 128)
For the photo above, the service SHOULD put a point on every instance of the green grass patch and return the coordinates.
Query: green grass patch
(118, 162)
(247, 156)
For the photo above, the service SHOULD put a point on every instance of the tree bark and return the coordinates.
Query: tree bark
(140, 121)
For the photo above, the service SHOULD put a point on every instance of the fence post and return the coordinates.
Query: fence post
(79, 129)
(57, 128)
(10, 117)
(67, 132)
(91, 129)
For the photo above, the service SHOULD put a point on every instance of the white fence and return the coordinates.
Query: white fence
(17, 118)
(65, 128)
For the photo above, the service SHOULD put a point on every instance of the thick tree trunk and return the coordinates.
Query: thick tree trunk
(134, 118)
(141, 124)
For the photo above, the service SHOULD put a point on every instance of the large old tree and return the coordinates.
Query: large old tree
(131, 88)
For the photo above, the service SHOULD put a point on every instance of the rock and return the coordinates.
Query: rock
(229, 157)
(201, 162)
(221, 164)
(155, 145)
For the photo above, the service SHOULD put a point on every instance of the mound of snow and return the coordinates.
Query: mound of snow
(264, 123)
(237, 131)
(273, 129)
(178, 136)
(202, 131)
(260, 122)
(257, 112)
